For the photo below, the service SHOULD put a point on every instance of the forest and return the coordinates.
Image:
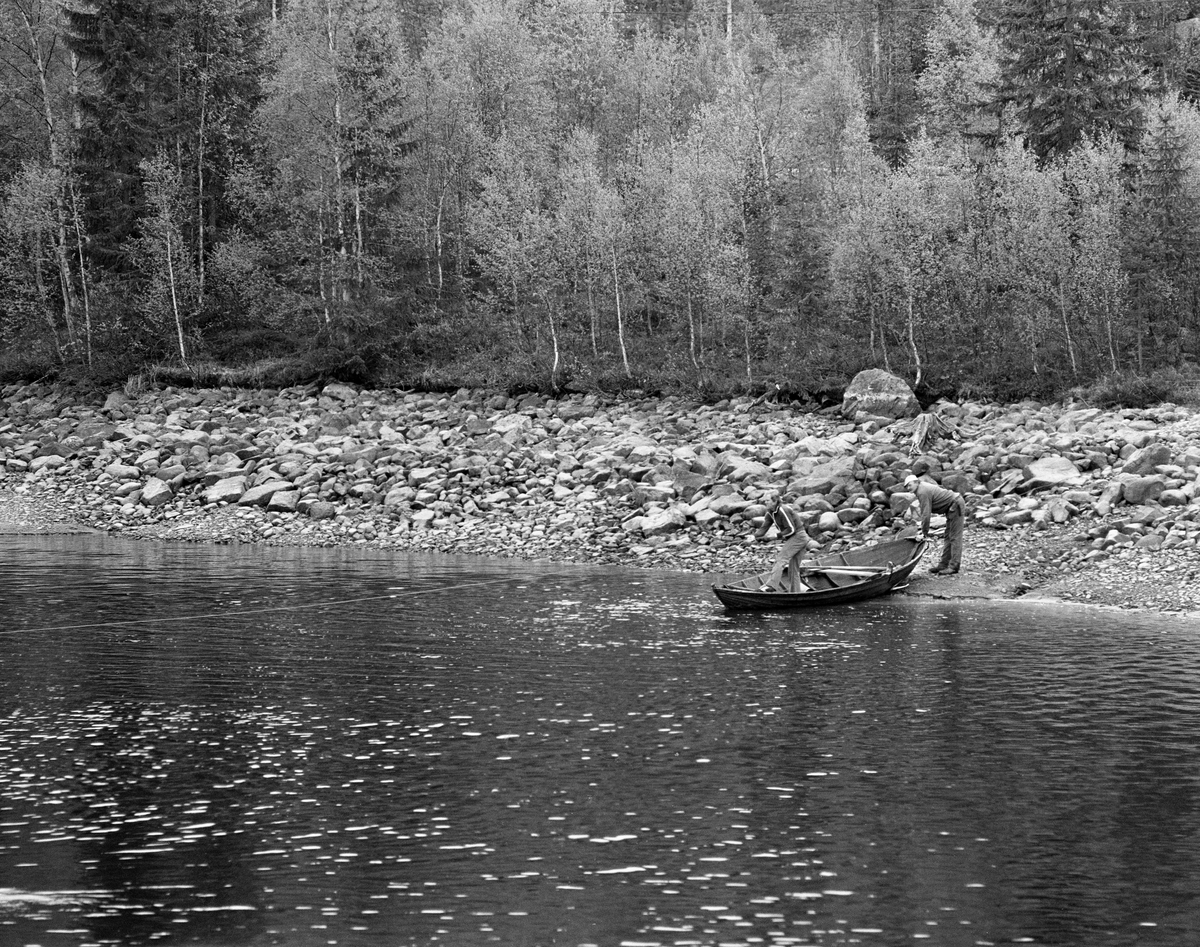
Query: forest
(995, 200)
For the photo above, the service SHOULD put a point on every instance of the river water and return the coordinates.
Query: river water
(230, 745)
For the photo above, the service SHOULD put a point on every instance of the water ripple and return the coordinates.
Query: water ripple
(574, 756)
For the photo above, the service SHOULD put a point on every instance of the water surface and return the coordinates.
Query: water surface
(233, 745)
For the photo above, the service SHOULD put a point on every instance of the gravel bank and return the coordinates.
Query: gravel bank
(1067, 502)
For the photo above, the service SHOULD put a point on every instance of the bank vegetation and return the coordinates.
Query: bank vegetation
(994, 200)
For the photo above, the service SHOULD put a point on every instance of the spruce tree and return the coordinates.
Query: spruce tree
(1163, 234)
(1073, 69)
(177, 76)
(126, 108)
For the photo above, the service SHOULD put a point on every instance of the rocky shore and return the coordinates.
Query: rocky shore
(1066, 502)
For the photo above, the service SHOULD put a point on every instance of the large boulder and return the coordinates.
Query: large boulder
(728, 504)
(880, 394)
(736, 468)
(423, 519)
(261, 494)
(828, 522)
(662, 522)
(420, 476)
(116, 402)
(284, 501)
(339, 391)
(1050, 471)
(512, 425)
(120, 471)
(46, 462)
(1139, 491)
(157, 493)
(321, 510)
(824, 478)
(228, 490)
(1144, 460)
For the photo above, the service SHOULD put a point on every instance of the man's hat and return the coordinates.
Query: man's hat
(911, 480)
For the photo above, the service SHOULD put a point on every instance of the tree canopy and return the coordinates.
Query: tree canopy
(998, 197)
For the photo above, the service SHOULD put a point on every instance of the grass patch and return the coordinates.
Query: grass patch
(1133, 390)
(281, 372)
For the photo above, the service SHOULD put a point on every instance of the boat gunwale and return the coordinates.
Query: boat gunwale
(744, 594)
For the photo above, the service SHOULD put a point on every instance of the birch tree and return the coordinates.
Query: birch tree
(513, 231)
(1098, 284)
(477, 79)
(171, 294)
(1026, 269)
(35, 60)
(962, 68)
(332, 127)
(579, 234)
(28, 224)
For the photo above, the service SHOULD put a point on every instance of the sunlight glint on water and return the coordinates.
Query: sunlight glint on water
(228, 745)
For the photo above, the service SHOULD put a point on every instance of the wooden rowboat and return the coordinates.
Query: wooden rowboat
(830, 580)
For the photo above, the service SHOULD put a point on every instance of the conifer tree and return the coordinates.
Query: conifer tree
(127, 108)
(167, 75)
(1072, 69)
(1163, 233)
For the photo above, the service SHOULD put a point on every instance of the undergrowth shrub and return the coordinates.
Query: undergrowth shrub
(1133, 390)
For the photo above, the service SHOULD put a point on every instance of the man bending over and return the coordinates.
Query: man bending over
(930, 499)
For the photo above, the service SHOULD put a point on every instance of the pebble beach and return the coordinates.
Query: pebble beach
(1066, 502)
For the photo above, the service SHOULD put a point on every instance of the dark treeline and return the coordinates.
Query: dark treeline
(994, 199)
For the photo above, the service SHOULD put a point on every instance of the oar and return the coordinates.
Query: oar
(846, 570)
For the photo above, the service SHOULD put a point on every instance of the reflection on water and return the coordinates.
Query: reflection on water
(230, 745)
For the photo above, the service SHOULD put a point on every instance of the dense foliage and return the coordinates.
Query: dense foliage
(998, 198)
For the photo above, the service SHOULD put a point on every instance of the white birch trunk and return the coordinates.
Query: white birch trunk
(200, 268)
(592, 317)
(620, 321)
(77, 214)
(60, 244)
(174, 295)
(692, 329)
(912, 339)
(340, 289)
(1062, 306)
(437, 240)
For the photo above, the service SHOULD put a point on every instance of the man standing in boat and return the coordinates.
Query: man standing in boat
(929, 499)
(795, 539)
